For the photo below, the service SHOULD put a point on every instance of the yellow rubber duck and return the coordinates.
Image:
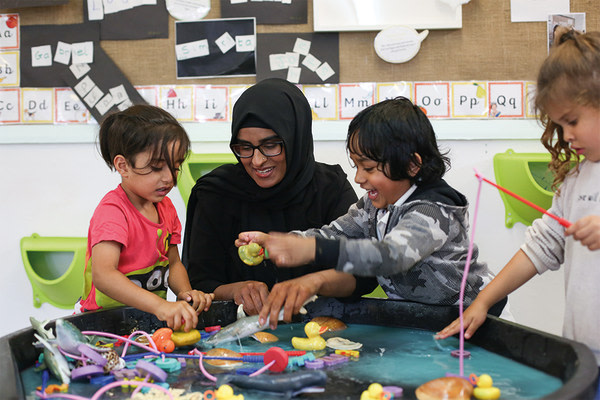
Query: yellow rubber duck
(484, 389)
(225, 392)
(251, 254)
(313, 341)
(374, 392)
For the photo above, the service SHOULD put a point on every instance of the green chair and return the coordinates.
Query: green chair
(54, 266)
(196, 165)
(527, 175)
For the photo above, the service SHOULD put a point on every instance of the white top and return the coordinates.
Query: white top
(548, 249)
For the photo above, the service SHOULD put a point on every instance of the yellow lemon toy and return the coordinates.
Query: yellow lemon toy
(485, 390)
(313, 341)
(181, 338)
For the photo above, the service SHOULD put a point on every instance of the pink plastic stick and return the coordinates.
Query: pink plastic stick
(560, 220)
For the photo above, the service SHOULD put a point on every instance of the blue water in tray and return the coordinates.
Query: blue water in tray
(390, 356)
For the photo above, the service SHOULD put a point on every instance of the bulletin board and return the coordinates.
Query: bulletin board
(488, 47)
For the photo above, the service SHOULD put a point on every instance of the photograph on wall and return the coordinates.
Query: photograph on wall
(267, 12)
(215, 48)
(311, 58)
(574, 21)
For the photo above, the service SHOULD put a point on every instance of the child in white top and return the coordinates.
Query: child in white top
(568, 101)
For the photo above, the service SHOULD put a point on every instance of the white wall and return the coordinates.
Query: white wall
(52, 189)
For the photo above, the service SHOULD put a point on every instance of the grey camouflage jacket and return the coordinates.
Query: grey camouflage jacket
(423, 253)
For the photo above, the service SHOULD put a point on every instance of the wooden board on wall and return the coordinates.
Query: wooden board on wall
(488, 47)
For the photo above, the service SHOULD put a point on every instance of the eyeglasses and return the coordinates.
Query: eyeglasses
(267, 149)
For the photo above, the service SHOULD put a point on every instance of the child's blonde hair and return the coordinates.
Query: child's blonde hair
(570, 73)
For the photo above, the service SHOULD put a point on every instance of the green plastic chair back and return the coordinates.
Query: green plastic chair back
(54, 266)
(527, 175)
(196, 165)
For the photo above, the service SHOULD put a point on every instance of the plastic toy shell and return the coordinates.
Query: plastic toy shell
(449, 388)
(265, 337)
(332, 324)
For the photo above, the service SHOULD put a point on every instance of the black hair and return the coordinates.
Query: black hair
(143, 128)
(392, 133)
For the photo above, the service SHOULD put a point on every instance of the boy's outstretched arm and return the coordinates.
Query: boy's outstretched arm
(587, 231)
(284, 249)
(519, 270)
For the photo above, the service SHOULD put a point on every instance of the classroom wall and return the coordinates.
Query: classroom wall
(52, 189)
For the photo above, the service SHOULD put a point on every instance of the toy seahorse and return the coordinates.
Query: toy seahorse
(252, 254)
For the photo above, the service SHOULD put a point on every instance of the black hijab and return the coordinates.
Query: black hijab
(227, 201)
(282, 107)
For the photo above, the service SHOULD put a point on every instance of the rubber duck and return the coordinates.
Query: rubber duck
(225, 392)
(484, 389)
(313, 341)
(251, 254)
(374, 392)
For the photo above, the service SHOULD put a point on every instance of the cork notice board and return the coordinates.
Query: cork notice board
(488, 47)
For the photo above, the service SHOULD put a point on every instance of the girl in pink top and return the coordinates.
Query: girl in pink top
(132, 255)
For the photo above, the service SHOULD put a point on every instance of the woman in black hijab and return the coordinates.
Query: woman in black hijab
(276, 186)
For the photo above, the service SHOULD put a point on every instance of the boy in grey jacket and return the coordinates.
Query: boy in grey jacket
(410, 229)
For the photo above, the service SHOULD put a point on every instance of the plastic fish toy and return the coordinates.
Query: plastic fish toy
(55, 361)
(289, 384)
(69, 338)
(240, 329)
(40, 328)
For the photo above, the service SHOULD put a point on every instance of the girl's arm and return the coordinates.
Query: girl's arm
(180, 283)
(519, 270)
(113, 283)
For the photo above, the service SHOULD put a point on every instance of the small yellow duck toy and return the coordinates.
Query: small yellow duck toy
(374, 392)
(225, 392)
(484, 389)
(314, 341)
(252, 254)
